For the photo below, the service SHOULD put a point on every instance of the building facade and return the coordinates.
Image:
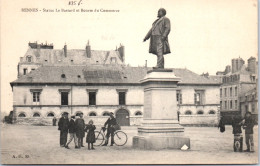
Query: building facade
(97, 89)
(237, 82)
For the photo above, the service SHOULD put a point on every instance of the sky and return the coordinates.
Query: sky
(205, 34)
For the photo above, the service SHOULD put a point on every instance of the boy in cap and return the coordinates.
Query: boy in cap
(72, 132)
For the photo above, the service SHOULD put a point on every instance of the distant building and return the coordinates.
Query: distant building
(249, 102)
(95, 89)
(238, 81)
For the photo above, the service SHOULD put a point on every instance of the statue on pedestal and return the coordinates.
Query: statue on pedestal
(158, 35)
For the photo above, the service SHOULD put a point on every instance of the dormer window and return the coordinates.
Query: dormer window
(63, 76)
(46, 60)
(29, 59)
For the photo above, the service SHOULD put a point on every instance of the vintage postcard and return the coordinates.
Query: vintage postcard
(129, 82)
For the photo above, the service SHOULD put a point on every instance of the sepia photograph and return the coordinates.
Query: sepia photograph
(129, 82)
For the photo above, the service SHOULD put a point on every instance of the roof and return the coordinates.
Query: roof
(78, 56)
(103, 74)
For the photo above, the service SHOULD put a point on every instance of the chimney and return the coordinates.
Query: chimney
(121, 51)
(237, 64)
(251, 64)
(65, 50)
(228, 69)
(88, 50)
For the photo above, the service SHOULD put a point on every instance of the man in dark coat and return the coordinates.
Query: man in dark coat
(158, 35)
(72, 132)
(248, 126)
(63, 127)
(111, 122)
(80, 130)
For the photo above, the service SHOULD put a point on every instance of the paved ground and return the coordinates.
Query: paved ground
(22, 144)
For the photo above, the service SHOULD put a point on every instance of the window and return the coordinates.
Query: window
(24, 71)
(50, 115)
(36, 97)
(63, 76)
(92, 114)
(92, 98)
(29, 59)
(220, 92)
(32, 69)
(64, 98)
(105, 114)
(188, 112)
(235, 104)
(36, 115)
(121, 98)
(211, 112)
(92, 93)
(179, 97)
(78, 113)
(225, 92)
(21, 115)
(113, 60)
(198, 97)
(230, 91)
(230, 106)
(225, 106)
(200, 112)
(235, 91)
(253, 108)
(138, 113)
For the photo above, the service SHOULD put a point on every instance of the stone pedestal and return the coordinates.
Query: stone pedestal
(160, 128)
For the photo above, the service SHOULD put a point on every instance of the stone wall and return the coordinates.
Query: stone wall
(199, 120)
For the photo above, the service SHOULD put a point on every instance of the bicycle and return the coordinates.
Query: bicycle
(120, 137)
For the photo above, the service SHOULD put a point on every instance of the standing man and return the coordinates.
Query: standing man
(158, 35)
(63, 127)
(72, 132)
(248, 126)
(111, 122)
(80, 130)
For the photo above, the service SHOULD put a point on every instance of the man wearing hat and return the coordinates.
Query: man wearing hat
(248, 126)
(63, 127)
(111, 122)
(158, 36)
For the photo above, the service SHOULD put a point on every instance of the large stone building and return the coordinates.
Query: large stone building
(237, 81)
(95, 89)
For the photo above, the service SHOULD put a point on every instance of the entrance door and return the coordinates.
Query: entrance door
(122, 117)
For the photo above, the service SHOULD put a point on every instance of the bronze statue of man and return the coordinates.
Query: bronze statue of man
(158, 35)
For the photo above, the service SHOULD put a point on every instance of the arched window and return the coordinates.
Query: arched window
(21, 115)
(92, 114)
(36, 115)
(105, 114)
(138, 113)
(212, 112)
(200, 112)
(78, 113)
(188, 112)
(50, 115)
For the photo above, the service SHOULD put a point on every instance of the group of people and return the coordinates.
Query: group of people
(76, 129)
(247, 123)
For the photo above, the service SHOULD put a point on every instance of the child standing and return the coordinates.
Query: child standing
(90, 128)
